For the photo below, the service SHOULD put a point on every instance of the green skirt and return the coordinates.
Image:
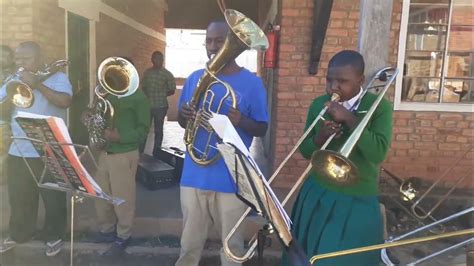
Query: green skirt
(326, 221)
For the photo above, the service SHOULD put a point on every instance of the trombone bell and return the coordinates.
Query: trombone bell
(334, 167)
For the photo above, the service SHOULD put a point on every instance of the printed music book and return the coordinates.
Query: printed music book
(253, 188)
(50, 137)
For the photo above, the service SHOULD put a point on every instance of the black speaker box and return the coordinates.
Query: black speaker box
(154, 174)
(174, 157)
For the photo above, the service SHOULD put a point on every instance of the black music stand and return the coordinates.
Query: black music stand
(52, 142)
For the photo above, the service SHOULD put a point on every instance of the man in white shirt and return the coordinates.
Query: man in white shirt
(51, 97)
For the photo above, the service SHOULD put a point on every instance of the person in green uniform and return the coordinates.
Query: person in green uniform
(117, 166)
(328, 217)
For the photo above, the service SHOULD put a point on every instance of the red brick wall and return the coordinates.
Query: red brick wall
(424, 143)
(40, 21)
(117, 39)
(49, 28)
(146, 12)
(17, 18)
(294, 87)
(44, 22)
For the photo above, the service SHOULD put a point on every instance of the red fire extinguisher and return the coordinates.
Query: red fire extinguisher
(271, 54)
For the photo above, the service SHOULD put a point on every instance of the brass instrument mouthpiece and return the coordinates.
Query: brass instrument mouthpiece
(335, 97)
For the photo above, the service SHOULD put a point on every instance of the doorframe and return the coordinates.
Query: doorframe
(88, 10)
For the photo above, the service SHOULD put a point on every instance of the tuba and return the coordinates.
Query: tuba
(19, 93)
(244, 34)
(118, 77)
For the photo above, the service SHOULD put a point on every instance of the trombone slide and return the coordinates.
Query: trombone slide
(254, 191)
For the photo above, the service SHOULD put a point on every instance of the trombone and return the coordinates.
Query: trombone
(408, 190)
(386, 75)
(395, 242)
(415, 208)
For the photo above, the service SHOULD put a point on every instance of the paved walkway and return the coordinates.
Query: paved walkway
(158, 226)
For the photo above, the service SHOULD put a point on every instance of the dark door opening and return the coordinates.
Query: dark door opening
(78, 51)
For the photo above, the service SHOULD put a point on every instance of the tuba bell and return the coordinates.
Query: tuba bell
(244, 34)
(118, 77)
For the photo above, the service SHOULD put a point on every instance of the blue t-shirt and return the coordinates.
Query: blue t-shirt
(251, 102)
(58, 82)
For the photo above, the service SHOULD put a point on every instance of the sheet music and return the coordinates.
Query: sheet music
(55, 132)
(238, 175)
(226, 131)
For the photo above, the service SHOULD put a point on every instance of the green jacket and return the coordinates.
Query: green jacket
(132, 120)
(370, 150)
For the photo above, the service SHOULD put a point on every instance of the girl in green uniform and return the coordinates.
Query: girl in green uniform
(328, 217)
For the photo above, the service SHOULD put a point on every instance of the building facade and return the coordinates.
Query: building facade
(430, 40)
(85, 33)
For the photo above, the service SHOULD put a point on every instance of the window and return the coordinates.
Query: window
(436, 54)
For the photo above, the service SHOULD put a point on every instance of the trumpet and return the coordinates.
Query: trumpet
(21, 94)
(386, 76)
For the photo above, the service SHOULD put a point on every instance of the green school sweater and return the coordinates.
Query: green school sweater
(370, 150)
(132, 120)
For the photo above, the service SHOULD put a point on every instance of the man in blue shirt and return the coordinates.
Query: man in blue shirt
(208, 192)
(52, 97)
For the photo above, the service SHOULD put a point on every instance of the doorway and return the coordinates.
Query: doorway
(78, 53)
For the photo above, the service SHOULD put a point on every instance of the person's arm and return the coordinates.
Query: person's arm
(186, 112)
(60, 99)
(142, 125)
(171, 85)
(5, 104)
(250, 126)
(308, 146)
(254, 122)
(375, 140)
(58, 91)
(144, 83)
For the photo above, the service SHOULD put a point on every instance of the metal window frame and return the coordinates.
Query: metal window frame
(420, 106)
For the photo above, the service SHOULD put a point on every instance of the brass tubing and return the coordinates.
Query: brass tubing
(389, 245)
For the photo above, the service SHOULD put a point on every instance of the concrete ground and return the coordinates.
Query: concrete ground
(158, 227)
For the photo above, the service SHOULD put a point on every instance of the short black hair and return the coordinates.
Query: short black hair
(218, 21)
(157, 53)
(31, 45)
(348, 58)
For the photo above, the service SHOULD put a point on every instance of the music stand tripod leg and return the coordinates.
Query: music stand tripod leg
(74, 198)
(262, 237)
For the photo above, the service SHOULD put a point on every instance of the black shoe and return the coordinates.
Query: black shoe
(104, 237)
(118, 247)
